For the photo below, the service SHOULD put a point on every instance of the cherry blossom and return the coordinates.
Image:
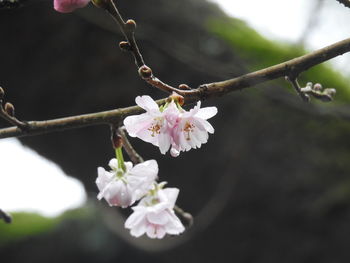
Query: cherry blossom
(192, 128)
(153, 126)
(123, 187)
(67, 6)
(154, 215)
(170, 125)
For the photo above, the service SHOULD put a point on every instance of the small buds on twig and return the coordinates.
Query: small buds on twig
(315, 91)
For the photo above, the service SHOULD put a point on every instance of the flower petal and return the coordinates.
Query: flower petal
(206, 113)
(147, 103)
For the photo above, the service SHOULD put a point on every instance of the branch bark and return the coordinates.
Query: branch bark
(291, 68)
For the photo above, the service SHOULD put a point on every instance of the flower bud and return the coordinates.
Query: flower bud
(177, 98)
(184, 87)
(130, 25)
(145, 72)
(10, 109)
(117, 140)
(317, 87)
(125, 46)
(330, 92)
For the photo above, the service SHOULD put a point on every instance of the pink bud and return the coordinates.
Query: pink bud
(67, 6)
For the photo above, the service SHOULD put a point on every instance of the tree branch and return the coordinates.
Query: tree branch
(205, 91)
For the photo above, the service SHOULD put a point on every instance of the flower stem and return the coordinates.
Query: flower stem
(120, 158)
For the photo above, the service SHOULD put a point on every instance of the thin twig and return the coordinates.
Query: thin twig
(6, 217)
(296, 86)
(133, 155)
(128, 29)
(289, 68)
(7, 112)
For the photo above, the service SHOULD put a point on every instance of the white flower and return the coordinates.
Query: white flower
(123, 188)
(154, 125)
(155, 216)
(171, 126)
(192, 129)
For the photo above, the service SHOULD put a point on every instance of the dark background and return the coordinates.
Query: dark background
(272, 184)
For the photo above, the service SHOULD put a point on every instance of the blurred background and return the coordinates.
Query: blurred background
(272, 184)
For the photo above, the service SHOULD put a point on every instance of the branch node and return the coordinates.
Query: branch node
(145, 72)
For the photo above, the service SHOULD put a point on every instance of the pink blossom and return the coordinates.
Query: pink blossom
(171, 126)
(155, 216)
(67, 6)
(123, 188)
(192, 129)
(153, 126)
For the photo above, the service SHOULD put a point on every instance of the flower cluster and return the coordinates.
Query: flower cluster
(125, 184)
(170, 126)
(167, 127)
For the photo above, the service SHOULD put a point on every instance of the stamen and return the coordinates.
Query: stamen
(189, 127)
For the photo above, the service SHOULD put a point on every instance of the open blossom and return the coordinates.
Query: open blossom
(67, 6)
(123, 188)
(155, 216)
(171, 126)
(192, 128)
(153, 126)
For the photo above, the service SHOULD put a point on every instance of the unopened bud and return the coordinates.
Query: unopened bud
(178, 98)
(117, 140)
(130, 25)
(10, 109)
(184, 87)
(125, 46)
(2, 93)
(317, 87)
(145, 72)
(100, 3)
(330, 92)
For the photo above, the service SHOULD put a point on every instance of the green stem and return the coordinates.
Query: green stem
(120, 158)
